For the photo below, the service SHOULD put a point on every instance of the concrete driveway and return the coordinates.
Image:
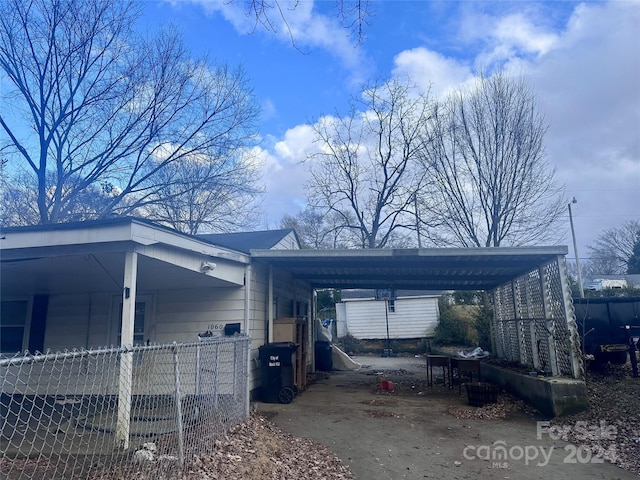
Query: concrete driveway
(414, 432)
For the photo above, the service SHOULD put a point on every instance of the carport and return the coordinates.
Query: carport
(534, 322)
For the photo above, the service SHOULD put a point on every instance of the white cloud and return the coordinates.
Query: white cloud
(285, 173)
(293, 22)
(518, 31)
(430, 70)
(585, 74)
(586, 78)
(588, 86)
(511, 38)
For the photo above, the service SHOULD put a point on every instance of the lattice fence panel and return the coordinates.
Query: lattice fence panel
(531, 323)
(542, 344)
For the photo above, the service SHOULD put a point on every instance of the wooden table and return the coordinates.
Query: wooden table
(439, 361)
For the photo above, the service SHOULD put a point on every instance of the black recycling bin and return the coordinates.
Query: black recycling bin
(324, 356)
(277, 361)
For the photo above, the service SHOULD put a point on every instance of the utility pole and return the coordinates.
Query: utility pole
(575, 248)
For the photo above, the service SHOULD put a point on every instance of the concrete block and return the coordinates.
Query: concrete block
(553, 396)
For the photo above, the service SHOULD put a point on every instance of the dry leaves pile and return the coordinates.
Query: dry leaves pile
(506, 404)
(258, 450)
(609, 430)
(611, 427)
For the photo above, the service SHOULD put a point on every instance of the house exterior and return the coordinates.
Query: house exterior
(410, 315)
(154, 293)
(602, 282)
(127, 281)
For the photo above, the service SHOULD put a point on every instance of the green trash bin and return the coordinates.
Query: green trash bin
(277, 361)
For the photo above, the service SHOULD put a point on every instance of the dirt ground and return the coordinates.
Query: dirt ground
(419, 432)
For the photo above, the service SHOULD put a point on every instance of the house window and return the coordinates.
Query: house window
(13, 319)
(391, 304)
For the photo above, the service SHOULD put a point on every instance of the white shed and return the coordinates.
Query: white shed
(410, 316)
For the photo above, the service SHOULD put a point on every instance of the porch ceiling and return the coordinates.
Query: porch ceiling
(93, 272)
(416, 269)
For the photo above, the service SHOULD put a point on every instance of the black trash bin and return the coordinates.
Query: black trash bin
(324, 356)
(277, 361)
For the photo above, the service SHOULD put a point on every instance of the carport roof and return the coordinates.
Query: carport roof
(418, 269)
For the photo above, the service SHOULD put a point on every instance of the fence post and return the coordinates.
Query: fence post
(235, 370)
(178, 401)
(246, 350)
(198, 368)
(216, 377)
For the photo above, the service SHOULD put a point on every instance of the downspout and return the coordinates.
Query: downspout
(247, 329)
(270, 307)
(126, 360)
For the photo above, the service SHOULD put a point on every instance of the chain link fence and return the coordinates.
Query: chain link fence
(534, 322)
(117, 412)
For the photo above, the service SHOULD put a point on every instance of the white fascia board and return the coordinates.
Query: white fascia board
(422, 252)
(58, 238)
(132, 232)
(146, 235)
(228, 271)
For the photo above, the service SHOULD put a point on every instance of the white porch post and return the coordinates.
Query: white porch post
(126, 359)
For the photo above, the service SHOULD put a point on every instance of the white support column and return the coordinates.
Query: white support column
(247, 299)
(126, 359)
(270, 306)
(247, 329)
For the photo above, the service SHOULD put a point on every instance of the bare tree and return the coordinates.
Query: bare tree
(485, 156)
(353, 14)
(633, 264)
(319, 230)
(92, 105)
(221, 197)
(364, 171)
(614, 247)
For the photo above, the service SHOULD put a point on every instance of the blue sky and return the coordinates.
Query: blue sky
(582, 59)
